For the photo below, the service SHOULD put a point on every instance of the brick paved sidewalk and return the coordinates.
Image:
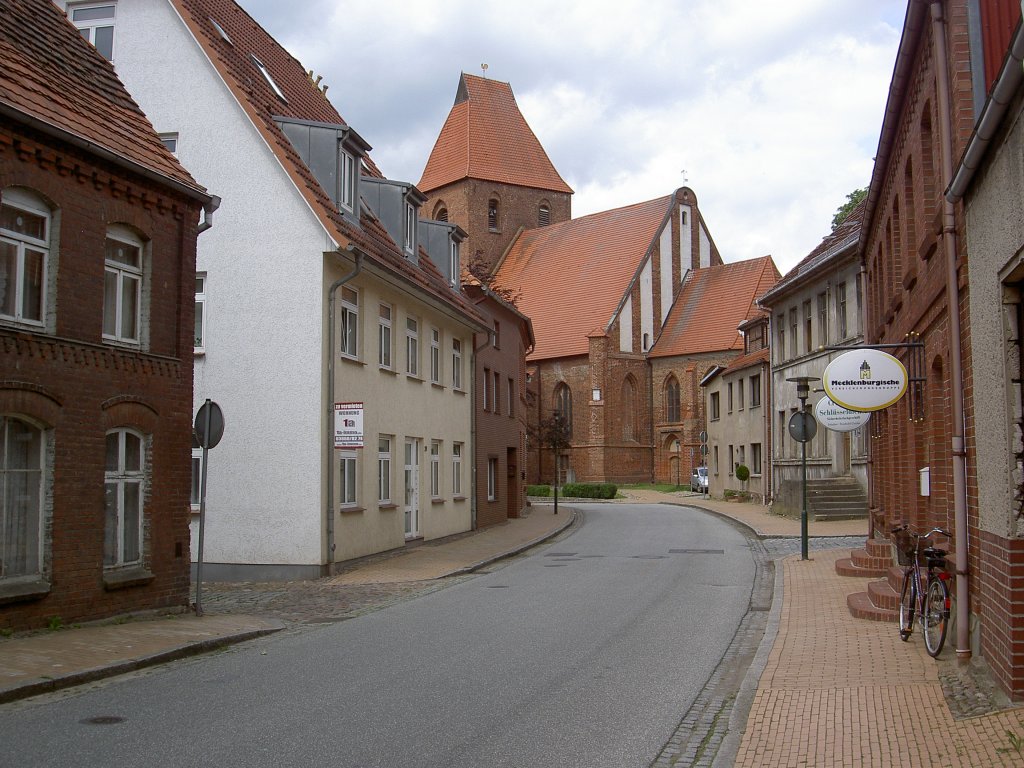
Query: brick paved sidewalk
(840, 691)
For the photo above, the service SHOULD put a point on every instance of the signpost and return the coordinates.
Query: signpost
(209, 429)
(803, 428)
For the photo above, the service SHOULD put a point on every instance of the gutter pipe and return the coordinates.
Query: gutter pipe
(959, 454)
(328, 431)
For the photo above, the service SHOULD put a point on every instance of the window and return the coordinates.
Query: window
(456, 364)
(198, 342)
(732, 465)
(435, 469)
(728, 398)
(384, 469)
(124, 485)
(739, 395)
(808, 341)
(715, 458)
(384, 336)
(95, 22)
(792, 330)
(347, 460)
(220, 31)
(347, 177)
(492, 479)
(266, 76)
(410, 228)
(755, 391)
(496, 338)
(122, 286)
(628, 410)
(782, 338)
(492, 215)
(454, 264)
(822, 319)
(21, 498)
(487, 389)
(716, 413)
(441, 215)
(496, 393)
(196, 498)
(412, 346)
(543, 216)
(510, 410)
(24, 257)
(435, 356)
(782, 433)
(349, 345)
(170, 140)
(563, 406)
(755, 458)
(457, 469)
(841, 310)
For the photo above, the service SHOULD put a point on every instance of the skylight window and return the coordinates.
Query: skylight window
(266, 76)
(220, 31)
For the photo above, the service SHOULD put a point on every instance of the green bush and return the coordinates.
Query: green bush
(742, 473)
(538, 490)
(590, 490)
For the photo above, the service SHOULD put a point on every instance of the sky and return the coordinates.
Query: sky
(769, 112)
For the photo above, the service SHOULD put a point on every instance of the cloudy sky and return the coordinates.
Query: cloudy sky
(770, 112)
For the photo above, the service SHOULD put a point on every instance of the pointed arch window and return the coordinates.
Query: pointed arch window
(563, 406)
(543, 216)
(492, 214)
(672, 399)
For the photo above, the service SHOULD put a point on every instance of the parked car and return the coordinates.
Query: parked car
(699, 479)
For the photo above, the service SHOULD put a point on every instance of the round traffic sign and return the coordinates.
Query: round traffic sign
(703, 436)
(703, 449)
(210, 410)
(802, 426)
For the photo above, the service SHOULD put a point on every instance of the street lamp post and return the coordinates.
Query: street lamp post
(803, 428)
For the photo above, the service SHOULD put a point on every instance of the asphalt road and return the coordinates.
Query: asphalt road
(586, 652)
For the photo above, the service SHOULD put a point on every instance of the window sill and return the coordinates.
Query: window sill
(459, 497)
(437, 385)
(23, 590)
(416, 378)
(385, 369)
(387, 505)
(436, 500)
(199, 353)
(123, 578)
(460, 392)
(350, 360)
(346, 510)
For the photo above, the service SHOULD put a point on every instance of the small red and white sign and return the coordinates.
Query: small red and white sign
(348, 425)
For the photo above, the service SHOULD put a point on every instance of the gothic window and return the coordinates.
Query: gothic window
(672, 400)
(563, 406)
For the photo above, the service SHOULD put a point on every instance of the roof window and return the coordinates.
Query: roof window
(266, 76)
(220, 31)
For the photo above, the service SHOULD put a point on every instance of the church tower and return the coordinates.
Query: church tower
(489, 174)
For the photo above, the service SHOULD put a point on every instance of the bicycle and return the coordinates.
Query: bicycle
(931, 603)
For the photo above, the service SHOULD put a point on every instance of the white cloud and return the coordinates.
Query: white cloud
(772, 110)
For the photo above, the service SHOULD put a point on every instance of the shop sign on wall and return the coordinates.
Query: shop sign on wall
(865, 380)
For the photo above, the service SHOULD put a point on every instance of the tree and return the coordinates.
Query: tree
(552, 433)
(480, 269)
(852, 201)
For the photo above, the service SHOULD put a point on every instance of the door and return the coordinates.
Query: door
(412, 488)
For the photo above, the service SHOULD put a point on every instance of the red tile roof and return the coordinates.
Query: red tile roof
(711, 306)
(303, 101)
(595, 256)
(486, 137)
(51, 75)
(746, 361)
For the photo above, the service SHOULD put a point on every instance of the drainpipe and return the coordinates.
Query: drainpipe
(959, 454)
(329, 431)
(861, 289)
(208, 210)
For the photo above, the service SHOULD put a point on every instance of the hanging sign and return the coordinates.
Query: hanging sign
(837, 418)
(348, 425)
(865, 380)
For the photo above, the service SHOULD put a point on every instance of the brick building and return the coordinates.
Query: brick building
(923, 287)
(98, 226)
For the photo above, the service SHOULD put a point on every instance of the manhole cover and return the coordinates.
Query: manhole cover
(103, 720)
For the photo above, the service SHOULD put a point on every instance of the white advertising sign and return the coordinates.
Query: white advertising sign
(348, 425)
(865, 380)
(837, 418)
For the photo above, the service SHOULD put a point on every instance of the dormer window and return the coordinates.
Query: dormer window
(220, 31)
(347, 196)
(410, 228)
(266, 76)
(454, 264)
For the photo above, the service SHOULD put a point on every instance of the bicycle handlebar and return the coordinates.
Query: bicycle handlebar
(919, 536)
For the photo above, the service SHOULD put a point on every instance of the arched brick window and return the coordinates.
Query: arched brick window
(628, 409)
(672, 399)
(563, 406)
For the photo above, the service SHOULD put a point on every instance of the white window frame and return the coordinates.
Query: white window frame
(410, 228)
(435, 469)
(170, 140)
(456, 469)
(348, 487)
(348, 338)
(384, 443)
(196, 494)
(487, 389)
(435, 355)
(34, 559)
(347, 175)
(19, 201)
(266, 76)
(118, 480)
(454, 264)
(492, 479)
(199, 337)
(457, 364)
(122, 272)
(88, 27)
(412, 346)
(385, 358)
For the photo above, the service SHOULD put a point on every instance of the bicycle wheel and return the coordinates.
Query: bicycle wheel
(936, 616)
(908, 599)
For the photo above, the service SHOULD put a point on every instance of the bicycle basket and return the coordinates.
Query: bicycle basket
(903, 548)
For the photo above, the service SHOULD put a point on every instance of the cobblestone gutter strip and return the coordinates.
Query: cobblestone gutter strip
(709, 733)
